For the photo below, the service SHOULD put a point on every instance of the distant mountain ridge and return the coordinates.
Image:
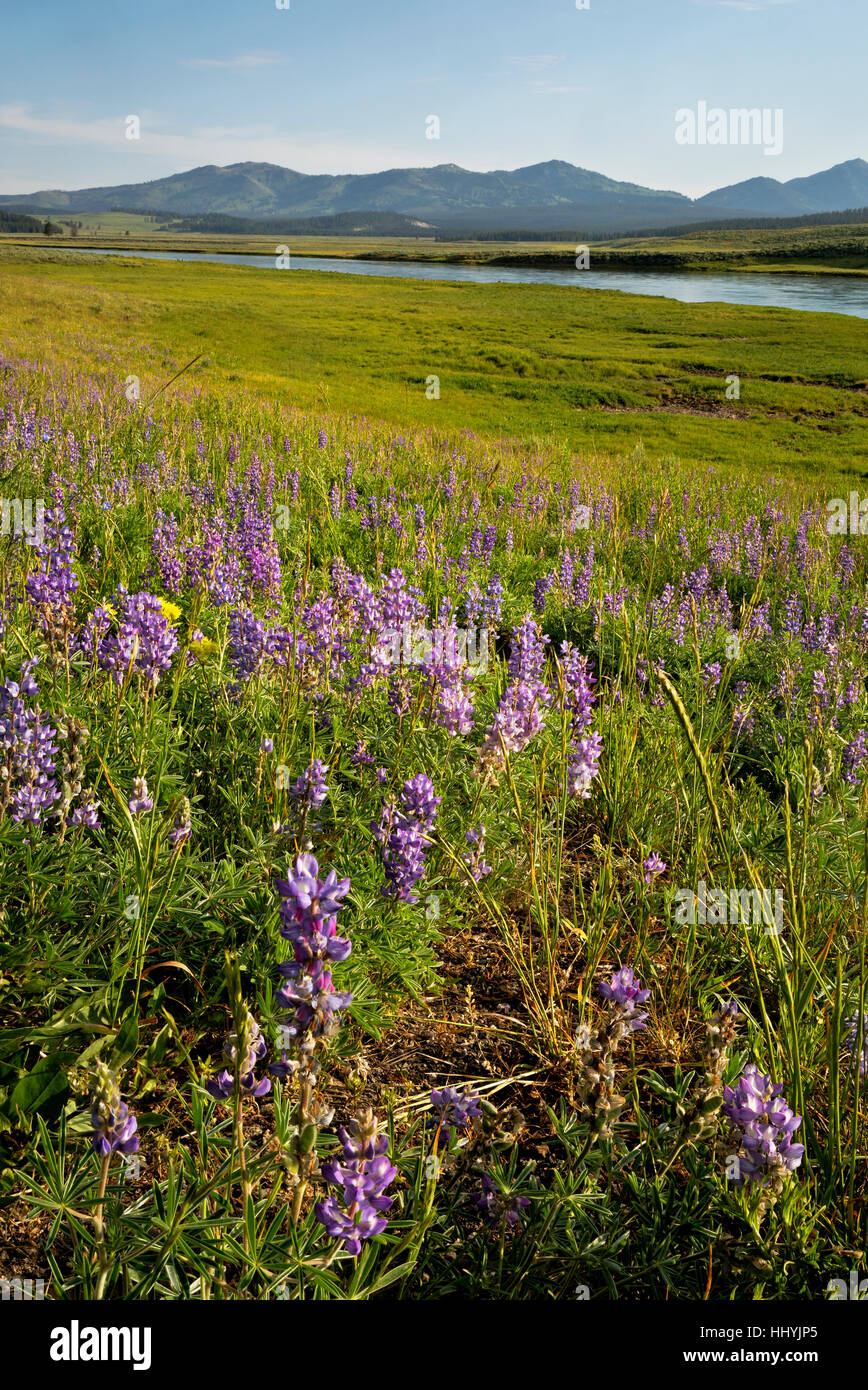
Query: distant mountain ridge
(842, 186)
(553, 193)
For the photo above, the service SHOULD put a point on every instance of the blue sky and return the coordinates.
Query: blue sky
(346, 86)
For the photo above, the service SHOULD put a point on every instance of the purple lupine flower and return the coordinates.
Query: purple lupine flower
(453, 1111)
(653, 866)
(251, 642)
(308, 917)
(144, 643)
(363, 1172)
(419, 801)
(625, 991)
(820, 690)
(485, 1199)
(757, 1107)
(400, 602)
(266, 746)
(472, 605)
(114, 1126)
(518, 718)
(165, 551)
(34, 763)
(400, 696)
(493, 602)
(496, 1206)
(475, 857)
(404, 845)
(597, 1048)
(310, 790)
(527, 656)
(309, 898)
(851, 1042)
(27, 753)
(222, 1086)
(579, 682)
(404, 836)
(141, 800)
(853, 758)
(444, 665)
(711, 673)
(84, 814)
(565, 575)
(578, 703)
(541, 589)
(92, 633)
(52, 586)
(248, 644)
(455, 709)
(584, 765)
(183, 827)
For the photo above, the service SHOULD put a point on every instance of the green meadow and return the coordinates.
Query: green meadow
(539, 1042)
(834, 250)
(592, 372)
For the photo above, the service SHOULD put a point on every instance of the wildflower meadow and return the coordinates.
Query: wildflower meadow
(430, 867)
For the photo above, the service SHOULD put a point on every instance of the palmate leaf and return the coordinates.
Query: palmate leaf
(41, 1091)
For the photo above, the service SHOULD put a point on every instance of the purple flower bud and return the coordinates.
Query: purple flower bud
(851, 1042)
(141, 800)
(115, 1128)
(222, 1087)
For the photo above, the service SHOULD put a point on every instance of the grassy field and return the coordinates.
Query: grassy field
(433, 856)
(841, 250)
(199, 683)
(591, 372)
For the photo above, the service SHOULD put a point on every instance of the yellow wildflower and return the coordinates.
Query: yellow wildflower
(170, 610)
(203, 648)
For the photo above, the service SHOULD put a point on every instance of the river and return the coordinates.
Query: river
(831, 294)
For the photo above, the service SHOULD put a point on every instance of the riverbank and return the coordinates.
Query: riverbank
(823, 294)
(805, 250)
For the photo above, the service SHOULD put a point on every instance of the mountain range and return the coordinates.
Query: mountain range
(554, 194)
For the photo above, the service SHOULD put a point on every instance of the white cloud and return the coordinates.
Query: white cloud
(314, 153)
(243, 62)
(102, 132)
(535, 62)
(533, 67)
